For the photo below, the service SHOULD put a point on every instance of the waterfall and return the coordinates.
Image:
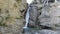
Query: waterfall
(29, 1)
(55, 0)
(27, 17)
(27, 14)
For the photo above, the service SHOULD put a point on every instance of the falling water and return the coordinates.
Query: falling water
(27, 17)
(27, 14)
(25, 28)
(55, 0)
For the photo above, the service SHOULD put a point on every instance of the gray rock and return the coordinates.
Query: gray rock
(50, 17)
(44, 31)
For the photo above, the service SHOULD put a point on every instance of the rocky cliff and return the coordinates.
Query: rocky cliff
(44, 15)
(12, 16)
(46, 12)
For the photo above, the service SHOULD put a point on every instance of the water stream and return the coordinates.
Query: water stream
(27, 18)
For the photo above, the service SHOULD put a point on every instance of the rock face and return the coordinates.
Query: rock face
(45, 12)
(44, 31)
(50, 15)
(46, 15)
(34, 12)
(12, 16)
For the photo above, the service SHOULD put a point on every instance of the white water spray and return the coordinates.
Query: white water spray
(29, 1)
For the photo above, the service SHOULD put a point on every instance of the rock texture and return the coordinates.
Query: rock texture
(50, 15)
(45, 14)
(44, 31)
(34, 12)
(12, 16)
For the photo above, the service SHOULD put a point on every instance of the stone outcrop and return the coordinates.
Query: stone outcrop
(12, 16)
(34, 12)
(45, 14)
(50, 16)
